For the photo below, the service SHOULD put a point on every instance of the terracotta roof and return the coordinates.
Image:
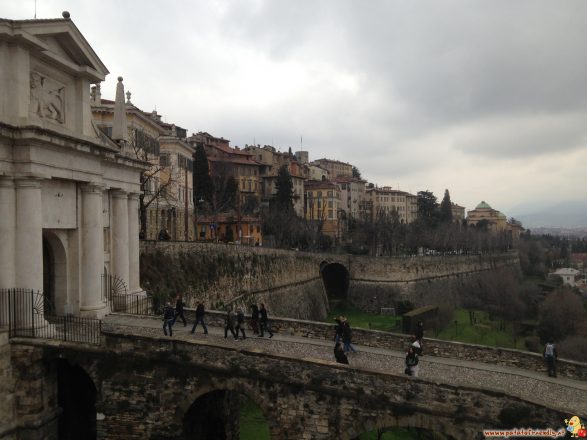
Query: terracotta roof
(233, 160)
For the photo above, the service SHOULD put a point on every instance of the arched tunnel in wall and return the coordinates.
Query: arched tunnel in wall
(336, 280)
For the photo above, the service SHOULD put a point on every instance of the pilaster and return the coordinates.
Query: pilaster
(29, 234)
(120, 238)
(7, 232)
(133, 237)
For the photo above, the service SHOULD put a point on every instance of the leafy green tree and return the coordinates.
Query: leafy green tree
(356, 173)
(202, 182)
(446, 208)
(427, 208)
(284, 190)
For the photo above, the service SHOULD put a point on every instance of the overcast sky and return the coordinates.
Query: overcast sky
(485, 98)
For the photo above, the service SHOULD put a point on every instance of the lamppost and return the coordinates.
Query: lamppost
(197, 201)
(186, 211)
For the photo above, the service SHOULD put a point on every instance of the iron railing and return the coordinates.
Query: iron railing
(28, 314)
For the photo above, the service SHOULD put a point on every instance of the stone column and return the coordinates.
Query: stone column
(133, 241)
(120, 239)
(7, 233)
(92, 261)
(7, 243)
(29, 234)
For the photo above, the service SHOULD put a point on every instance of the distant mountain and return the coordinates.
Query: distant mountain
(562, 215)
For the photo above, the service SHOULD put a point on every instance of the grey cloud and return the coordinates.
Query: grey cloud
(523, 137)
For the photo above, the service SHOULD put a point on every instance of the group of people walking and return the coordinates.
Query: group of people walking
(234, 320)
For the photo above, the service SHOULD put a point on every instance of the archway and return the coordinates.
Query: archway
(54, 272)
(336, 280)
(77, 399)
(224, 415)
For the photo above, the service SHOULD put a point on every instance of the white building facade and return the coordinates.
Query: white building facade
(68, 194)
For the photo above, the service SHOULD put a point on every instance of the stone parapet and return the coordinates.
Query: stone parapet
(432, 347)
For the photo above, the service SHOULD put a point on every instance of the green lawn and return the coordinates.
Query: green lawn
(484, 331)
(253, 425)
(360, 319)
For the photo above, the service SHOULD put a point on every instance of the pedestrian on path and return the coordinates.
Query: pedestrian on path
(200, 312)
(347, 337)
(550, 357)
(411, 362)
(337, 329)
(339, 354)
(229, 325)
(240, 323)
(417, 345)
(265, 325)
(419, 332)
(168, 318)
(255, 318)
(179, 310)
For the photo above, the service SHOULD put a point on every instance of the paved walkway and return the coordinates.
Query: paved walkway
(569, 396)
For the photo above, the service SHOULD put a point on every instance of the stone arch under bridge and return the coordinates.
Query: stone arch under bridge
(336, 279)
(297, 396)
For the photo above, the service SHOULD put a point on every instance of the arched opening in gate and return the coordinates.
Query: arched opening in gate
(54, 273)
(225, 415)
(77, 399)
(336, 280)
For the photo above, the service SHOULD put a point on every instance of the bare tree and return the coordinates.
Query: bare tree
(157, 183)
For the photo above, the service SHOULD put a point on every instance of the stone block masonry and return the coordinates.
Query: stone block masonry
(290, 283)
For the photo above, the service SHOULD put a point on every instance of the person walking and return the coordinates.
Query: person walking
(200, 312)
(168, 318)
(230, 321)
(347, 336)
(411, 362)
(419, 332)
(338, 329)
(550, 357)
(255, 318)
(265, 326)
(417, 345)
(240, 323)
(339, 355)
(179, 310)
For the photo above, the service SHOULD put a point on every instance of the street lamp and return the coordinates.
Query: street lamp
(197, 201)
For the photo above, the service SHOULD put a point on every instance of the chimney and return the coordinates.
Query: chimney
(119, 129)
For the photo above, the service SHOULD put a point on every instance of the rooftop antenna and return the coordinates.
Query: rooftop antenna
(35, 9)
(301, 143)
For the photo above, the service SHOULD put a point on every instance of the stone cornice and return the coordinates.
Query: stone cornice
(34, 135)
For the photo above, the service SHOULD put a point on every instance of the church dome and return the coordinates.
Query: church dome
(483, 205)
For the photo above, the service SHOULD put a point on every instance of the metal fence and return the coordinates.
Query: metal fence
(29, 314)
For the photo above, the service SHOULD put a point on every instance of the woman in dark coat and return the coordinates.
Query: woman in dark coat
(347, 337)
(265, 325)
(179, 310)
(412, 362)
(339, 354)
(255, 318)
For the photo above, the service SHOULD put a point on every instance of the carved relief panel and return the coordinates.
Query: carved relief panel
(47, 98)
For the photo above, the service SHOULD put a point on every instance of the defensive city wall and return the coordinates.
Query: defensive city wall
(297, 284)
